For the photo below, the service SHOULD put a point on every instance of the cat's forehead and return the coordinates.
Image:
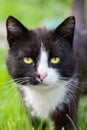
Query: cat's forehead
(43, 35)
(41, 39)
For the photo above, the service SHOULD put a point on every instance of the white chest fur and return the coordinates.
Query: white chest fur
(43, 101)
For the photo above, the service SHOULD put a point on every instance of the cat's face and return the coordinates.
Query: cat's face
(40, 56)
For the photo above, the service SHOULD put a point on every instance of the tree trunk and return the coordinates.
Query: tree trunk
(78, 10)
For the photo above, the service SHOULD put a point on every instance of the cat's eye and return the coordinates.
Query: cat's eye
(28, 60)
(55, 60)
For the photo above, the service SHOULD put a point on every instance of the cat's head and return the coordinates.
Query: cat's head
(40, 56)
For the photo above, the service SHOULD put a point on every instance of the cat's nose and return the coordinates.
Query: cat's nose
(42, 76)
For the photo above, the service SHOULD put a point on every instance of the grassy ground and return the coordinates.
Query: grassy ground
(31, 13)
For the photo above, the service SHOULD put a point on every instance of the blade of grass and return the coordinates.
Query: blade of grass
(71, 121)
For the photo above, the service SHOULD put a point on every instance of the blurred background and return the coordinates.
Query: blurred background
(33, 14)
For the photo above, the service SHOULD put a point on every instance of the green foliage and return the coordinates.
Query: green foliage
(32, 12)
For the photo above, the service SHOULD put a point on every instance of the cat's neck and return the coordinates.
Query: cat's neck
(43, 102)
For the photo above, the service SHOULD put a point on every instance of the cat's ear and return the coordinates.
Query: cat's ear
(66, 29)
(15, 29)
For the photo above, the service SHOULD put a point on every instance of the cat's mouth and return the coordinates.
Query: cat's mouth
(28, 81)
(45, 84)
(37, 82)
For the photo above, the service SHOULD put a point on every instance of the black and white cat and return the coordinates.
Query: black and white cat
(42, 64)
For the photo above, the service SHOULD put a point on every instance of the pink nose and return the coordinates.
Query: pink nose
(43, 76)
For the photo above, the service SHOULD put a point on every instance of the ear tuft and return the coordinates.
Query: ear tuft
(66, 29)
(15, 30)
(14, 27)
(67, 25)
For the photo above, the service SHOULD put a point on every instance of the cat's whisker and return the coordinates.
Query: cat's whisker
(10, 89)
(82, 82)
(7, 84)
(10, 81)
(22, 81)
(69, 86)
(70, 90)
(7, 87)
(16, 80)
(74, 97)
(76, 86)
(64, 78)
(73, 86)
(11, 99)
(14, 97)
(13, 84)
(69, 81)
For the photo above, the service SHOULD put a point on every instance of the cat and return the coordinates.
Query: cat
(43, 65)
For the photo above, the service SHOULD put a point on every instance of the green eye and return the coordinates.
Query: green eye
(28, 60)
(55, 60)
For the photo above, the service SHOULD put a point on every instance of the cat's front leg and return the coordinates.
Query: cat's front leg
(66, 126)
(63, 128)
